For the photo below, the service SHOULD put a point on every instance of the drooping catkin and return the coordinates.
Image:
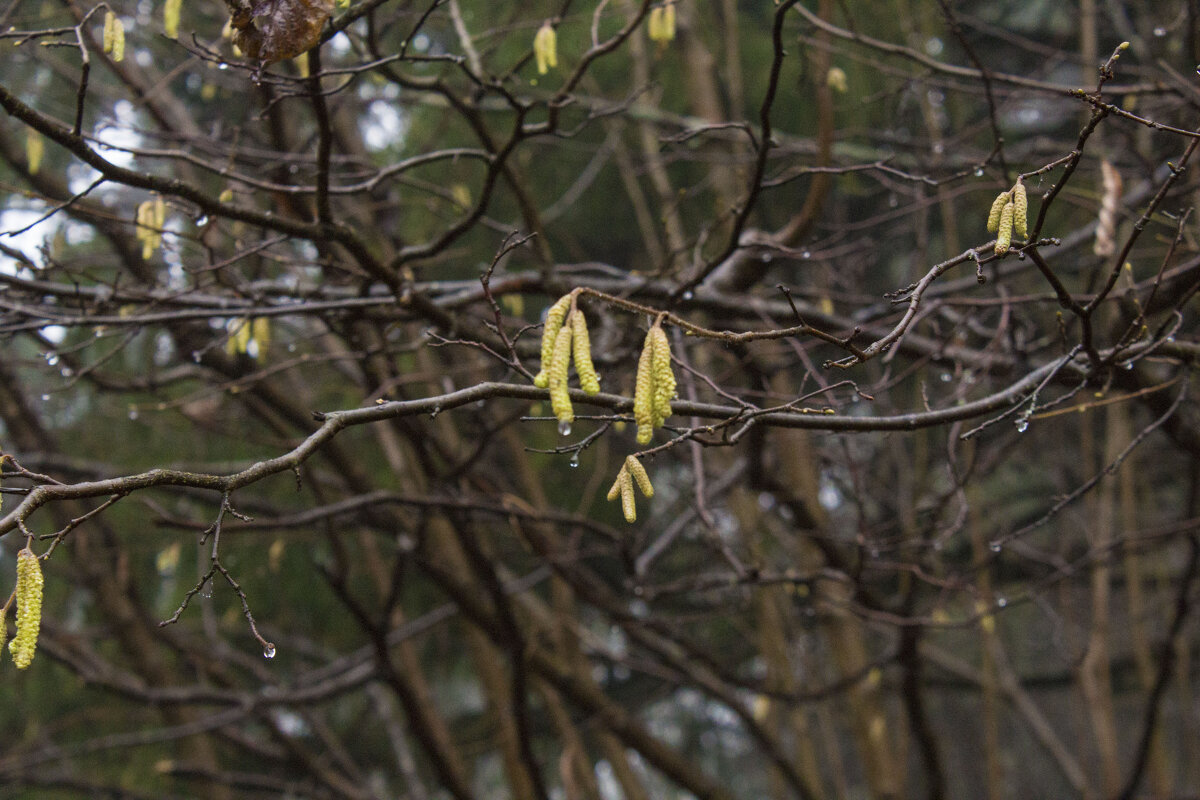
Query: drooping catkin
(643, 392)
(993, 224)
(29, 608)
(1110, 202)
(628, 505)
(615, 491)
(554, 323)
(260, 331)
(171, 18)
(239, 336)
(664, 376)
(545, 48)
(1004, 235)
(639, 475)
(661, 25)
(114, 36)
(1020, 210)
(35, 149)
(581, 344)
(560, 362)
(151, 217)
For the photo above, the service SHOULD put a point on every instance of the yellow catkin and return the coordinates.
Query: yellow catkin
(643, 393)
(654, 25)
(664, 377)
(836, 79)
(640, 475)
(114, 36)
(239, 337)
(148, 229)
(661, 26)
(669, 21)
(554, 323)
(545, 48)
(589, 381)
(29, 608)
(260, 331)
(628, 506)
(35, 149)
(560, 362)
(998, 204)
(1020, 211)
(1004, 235)
(171, 18)
(160, 215)
(615, 491)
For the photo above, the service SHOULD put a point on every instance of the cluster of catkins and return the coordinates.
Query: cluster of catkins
(564, 337)
(114, 36)
(631, 472)
(1010, 211)
(655, 385)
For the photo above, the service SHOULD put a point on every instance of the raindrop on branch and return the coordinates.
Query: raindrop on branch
(1022, 424)
(564, 428)
(269, 650)
(574, 462)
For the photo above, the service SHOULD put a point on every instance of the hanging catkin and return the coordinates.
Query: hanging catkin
(1110, 201)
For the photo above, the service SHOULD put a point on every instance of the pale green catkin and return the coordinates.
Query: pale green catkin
(554, 323)
(993, 224)
(628, 506)
(643, 393)
(589, 381)
(640, 476)
(1004, 235)
(560, 362)
(1020, 211)
(29, 608)
(664, 376)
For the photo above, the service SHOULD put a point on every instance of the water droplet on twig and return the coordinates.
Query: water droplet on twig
(564, 428)
(269, 650)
